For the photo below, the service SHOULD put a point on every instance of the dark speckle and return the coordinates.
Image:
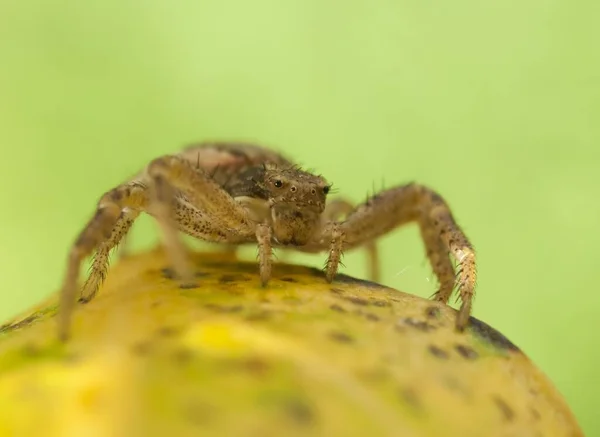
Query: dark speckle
(421, 325)
(535, 414)
(380, 303)
(72, 358)
(287, 279)
(338, 308)
(356, 300)
(256, 366)
(258, 316)
(168, 273)
(409, 396)
(340, 337)
(466, 352)
(437, 352)
(224, 308)
(369, 316)
(507, 412)
(167, 331)
(188, 285)
(336, 290)
(299, 411)
(141, 348)
(490, 335)
(432, 312)
(31, 350)
(183, 355)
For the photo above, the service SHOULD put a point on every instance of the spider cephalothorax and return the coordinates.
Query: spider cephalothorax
(241, 193)
(291, 198)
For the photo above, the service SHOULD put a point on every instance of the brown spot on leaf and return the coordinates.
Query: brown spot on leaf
(299, 411)
(167, 331)
(437, 352)
(466, 352)
(183, 355)
(340, 337)
(380, 303)
(338, 308)
(507, 411)
(224, 308)
(356, 300)
(31, 350)
(369, 316)
(292, 280)
(257, 366)
(141, 348)
(409, 396)
(259, 315)
(420, 325)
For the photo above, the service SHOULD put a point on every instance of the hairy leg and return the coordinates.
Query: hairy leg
(265, 252)
(339, 208)
(101, 257)
(97, 231)
(439, 258)
(208, 212)
(396, 206)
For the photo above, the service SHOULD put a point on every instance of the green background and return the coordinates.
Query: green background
(493, 103)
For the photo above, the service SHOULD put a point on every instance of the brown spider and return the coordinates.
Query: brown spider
(241, 193)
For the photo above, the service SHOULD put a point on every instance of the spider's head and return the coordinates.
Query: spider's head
(297, 199)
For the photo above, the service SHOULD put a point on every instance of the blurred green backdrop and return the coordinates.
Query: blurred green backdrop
(495, 104)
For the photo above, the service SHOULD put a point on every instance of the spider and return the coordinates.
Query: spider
(236, 193)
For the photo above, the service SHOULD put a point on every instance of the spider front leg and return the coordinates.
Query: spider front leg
(101, 257)
(99, 230)
(224, 219)
(442, 236)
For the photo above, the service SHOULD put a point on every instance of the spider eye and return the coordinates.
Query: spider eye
(278, 183)
(326, 189)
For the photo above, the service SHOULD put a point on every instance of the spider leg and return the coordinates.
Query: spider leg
(101, 257)
(98, 230)
(341, 208)
(397, 206)
(439, 259)
(336, 209)
(123, 247)
(225, 220)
